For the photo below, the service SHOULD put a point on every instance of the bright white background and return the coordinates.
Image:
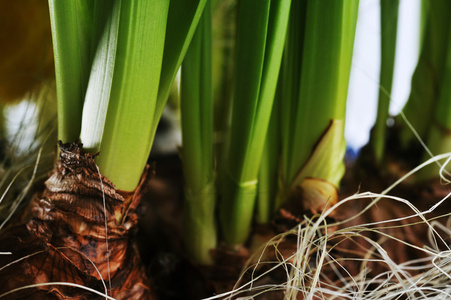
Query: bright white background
(364, 82)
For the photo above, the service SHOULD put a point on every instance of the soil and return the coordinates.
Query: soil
(171, 275)
(174, 276)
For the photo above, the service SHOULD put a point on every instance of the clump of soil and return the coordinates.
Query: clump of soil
(389, 223)
(62, 234)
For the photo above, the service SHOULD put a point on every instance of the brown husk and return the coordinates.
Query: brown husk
(62, 235)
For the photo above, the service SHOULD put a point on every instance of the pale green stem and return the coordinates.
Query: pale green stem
(439, 134)
(197, 151)
(389, 25)
(314, 92)
(428, 75)
(100, 82)
(326, 63)
(261, 35)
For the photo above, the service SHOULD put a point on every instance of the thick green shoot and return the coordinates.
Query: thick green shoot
(72, 29)
(92, 43)
(318, 99)
(197, 154)
(439, 133)
(428, 75)
(260, 40)
(126, 140)
(110, 56)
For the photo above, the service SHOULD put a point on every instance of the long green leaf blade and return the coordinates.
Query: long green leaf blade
(71, 46)
(197, 136)
(100, 81)
(261, 35)
(182, 22)
(126, 140)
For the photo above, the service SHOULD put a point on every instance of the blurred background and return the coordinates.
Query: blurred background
(364, 82)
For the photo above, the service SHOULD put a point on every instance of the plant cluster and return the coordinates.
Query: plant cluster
(262, 93)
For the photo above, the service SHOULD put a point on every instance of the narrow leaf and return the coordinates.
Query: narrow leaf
(389, 25)
(183, 18)
(261, 36)
(197, 151)
(71, 43)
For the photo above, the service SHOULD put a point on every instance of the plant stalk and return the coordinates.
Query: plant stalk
(197, 151)
(261, 35)
(313, 110)
(389, 25)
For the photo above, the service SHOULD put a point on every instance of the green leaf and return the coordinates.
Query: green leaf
(269, 168)
(100, 81)
(182, 22)
(126, 139)
(325, 69)
(428, 74)
(261, 35)
(71, 34)
(197, 150)
(389, 25)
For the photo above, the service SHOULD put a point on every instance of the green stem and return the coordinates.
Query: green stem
(267, 177)
(313, 116)
(71, 46)
(261, 34)
(183, 18)
(428, 74)
(197, 152)
(126, 141)
(439, 134)
(224, 29)
(389, 24)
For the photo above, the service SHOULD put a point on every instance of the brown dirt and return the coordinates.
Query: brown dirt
(172, 275)
(171, 270)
